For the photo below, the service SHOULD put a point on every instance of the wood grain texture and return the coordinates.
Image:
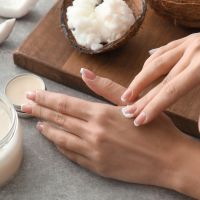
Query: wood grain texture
(47, 52)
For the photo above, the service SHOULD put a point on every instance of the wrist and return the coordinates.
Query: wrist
(185, 168)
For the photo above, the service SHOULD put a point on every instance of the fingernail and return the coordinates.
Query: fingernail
(126, 113)
(127, 95)
(31, 95)
(140, 119)
(129, 111)
(152, 51)
(40, 126)
(87, 74)
(27, 108)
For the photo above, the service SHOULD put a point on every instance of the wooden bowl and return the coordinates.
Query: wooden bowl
(183, 12)
(138, 7)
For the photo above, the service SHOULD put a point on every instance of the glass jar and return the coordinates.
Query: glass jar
(11, 152)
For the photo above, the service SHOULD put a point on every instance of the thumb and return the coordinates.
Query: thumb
(102, 86)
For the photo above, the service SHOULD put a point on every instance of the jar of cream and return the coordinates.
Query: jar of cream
(17, 88)
(10, 141)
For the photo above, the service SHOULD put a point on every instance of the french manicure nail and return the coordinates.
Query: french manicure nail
(40, 126)
(127, 95)
(27, 108)
(126, 112)
(152, 51)
(31, 95)
(140, 119)
(87, 74)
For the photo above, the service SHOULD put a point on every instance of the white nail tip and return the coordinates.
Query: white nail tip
(82, 71)
(123, 100)
(136, 124)
(152, 51)
(6, 29)
(126, 114)
(16, 8)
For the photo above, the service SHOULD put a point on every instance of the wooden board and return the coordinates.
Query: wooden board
(46, 52)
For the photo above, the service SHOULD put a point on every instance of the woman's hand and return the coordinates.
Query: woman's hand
(180, 60)
(99, 138)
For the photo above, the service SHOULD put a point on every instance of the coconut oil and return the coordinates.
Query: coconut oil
(10, 141)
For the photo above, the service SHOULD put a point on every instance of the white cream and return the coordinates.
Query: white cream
(18, 87)
(10, 142)
(94, 22)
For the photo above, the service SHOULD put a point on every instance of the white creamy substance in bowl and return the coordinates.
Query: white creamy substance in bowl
(94, 22)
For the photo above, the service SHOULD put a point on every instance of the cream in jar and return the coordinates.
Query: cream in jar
(10, 141)
(18, 87)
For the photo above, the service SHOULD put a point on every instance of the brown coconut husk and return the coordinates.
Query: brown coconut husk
(183, 12)
(139, 9)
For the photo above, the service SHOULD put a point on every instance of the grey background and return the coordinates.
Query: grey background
(45, 174)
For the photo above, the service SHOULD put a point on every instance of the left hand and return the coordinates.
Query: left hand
(99, 138)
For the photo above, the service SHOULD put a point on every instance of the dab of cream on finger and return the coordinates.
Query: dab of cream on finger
(126, 113)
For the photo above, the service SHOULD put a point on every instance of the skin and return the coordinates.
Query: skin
(179, 61)
(98, 137)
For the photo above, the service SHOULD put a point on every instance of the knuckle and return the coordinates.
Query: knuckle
(107, 83)
(170, 90)
(62, 106)
(98, 156)
(60, 141)
(158, 62)
(98, 138)
(59, 118)
(102, 114)
(40, 96)
(38, 111)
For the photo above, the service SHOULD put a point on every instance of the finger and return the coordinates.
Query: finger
(62, 103)
(161, 50)
(175, 89)
(199, 123)
(67, 122)
(156, 68)
(63, 139)
(102, 86)
(136, 108)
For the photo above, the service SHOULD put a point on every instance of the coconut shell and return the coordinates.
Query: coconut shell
(138, 7)
(183, 12)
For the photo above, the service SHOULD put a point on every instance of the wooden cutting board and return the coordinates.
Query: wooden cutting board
(47, 52)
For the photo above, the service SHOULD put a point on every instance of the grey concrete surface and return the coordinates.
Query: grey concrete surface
(45, 174)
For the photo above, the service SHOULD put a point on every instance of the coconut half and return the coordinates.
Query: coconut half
(138, 8)
(183, 12)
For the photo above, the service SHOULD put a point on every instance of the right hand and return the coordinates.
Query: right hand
(180, 62)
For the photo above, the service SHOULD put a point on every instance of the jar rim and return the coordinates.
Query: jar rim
(12, 113)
